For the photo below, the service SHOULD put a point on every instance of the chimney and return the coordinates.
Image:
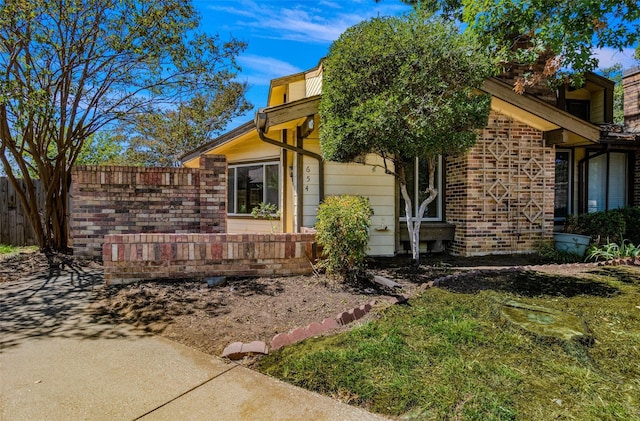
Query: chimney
(631, 86)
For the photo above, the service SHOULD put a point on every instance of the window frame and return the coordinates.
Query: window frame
(233, 181)
(570, 206)
(583, 168)
(415, 194)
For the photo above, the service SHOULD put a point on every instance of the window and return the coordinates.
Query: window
(561, 205)
(579, 108)
(252, 184)
(606, 181)
(419, 170)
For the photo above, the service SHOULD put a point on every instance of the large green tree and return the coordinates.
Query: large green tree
(524, 31)
(614, 73)
(69, 68)
(403, 88)
(102, 148)
(160, 138)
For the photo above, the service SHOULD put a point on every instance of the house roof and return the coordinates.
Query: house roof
(540, 114)
(221, 140)
(525, 107)
(290, 111)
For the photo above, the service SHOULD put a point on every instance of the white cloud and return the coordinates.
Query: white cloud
(608, 57)
(300, 21)
(260, 70)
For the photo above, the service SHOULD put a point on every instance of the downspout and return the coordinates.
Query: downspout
(261, 123)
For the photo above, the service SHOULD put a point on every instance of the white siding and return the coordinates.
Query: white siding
(314, 86)
(355, 179)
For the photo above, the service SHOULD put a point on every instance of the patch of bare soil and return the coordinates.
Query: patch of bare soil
(208, 318)
(16, 265)
(241, 309)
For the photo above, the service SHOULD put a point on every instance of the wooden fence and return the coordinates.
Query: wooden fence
(15, 228)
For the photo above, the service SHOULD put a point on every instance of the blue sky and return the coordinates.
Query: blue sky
(285, 36)
(289, 36)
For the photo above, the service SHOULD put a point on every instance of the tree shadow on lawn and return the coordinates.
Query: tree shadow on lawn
(620, 273)
(526, 283)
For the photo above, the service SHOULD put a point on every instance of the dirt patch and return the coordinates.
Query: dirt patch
(16, 265)
(245, 310)
(208, 318)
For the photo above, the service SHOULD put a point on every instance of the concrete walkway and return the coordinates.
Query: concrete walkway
(58, 361)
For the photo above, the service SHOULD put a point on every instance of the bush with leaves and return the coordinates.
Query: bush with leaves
(548, 254)
(615, 225)
(631, 215)
(268, 211)
(601, 226)
(343, 232)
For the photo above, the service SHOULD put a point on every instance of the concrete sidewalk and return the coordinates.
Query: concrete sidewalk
(59, 362)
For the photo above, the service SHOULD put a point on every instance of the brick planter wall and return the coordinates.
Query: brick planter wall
(500, 194)
(135, 257)
(129, 200)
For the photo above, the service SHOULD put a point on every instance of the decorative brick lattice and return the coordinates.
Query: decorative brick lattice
(500, 194)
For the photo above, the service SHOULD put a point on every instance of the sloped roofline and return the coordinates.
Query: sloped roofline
(284, 80)
(245, 128)
(541, 109)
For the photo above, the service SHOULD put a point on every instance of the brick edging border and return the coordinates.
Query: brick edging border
(238, 350)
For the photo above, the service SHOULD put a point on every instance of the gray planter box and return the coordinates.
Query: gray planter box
(571, 243)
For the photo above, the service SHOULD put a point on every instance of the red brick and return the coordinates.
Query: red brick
(345, 317)
(280, 340)
(255, 347)
(233, 351)
(298, 334)
(329, 323)
(314, 329)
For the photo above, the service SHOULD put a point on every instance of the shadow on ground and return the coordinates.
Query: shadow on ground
(54, 303)
(527, 283)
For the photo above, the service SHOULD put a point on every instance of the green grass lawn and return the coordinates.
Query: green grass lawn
(6, 249)
(451, 355)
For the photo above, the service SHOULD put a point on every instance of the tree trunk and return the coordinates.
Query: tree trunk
(50, 224)
(413, 224)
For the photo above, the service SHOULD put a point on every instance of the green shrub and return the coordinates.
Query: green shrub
(602, 227)
(343, 232)
(268, 211)
(631, 217)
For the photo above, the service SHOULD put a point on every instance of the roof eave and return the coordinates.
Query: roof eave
(542, 109)
(219, 141)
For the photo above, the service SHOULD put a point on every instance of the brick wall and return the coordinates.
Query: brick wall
(513, 71)
(631, 86)
(500, 194)
(135, 257)
(129, 200)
